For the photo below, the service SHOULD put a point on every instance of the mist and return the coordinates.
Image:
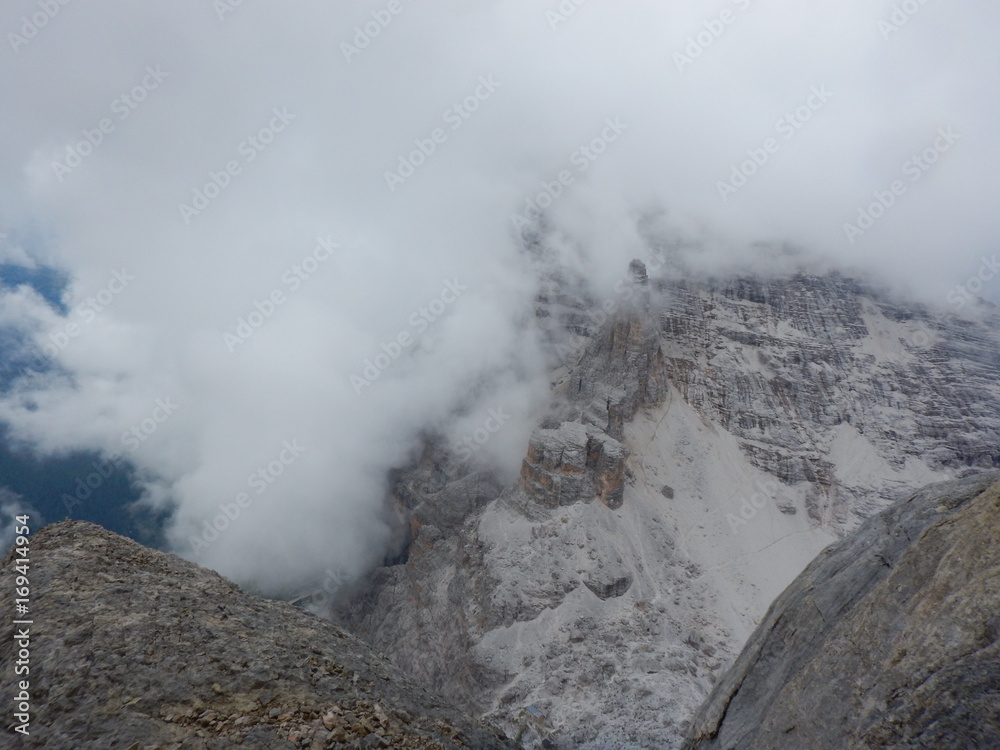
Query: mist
(294, 234)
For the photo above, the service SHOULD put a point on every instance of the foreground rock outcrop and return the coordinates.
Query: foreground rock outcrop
(888, 639)
(135, 648)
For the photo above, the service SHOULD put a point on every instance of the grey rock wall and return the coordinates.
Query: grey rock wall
(888, 639)
(843, 395)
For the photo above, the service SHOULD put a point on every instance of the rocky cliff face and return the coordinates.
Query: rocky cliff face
(705, 441)
(888, 639)
(132, 648)
(573, 462)
(829, 383)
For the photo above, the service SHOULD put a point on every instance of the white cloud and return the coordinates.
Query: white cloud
(15, 255)
(12, 506)
(323, 173)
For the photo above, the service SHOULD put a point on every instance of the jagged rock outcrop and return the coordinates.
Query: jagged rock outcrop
(133, 648)
(616, 366)
(573, 464)
(888, 639)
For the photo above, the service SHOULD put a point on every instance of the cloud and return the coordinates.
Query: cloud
(206, 154)
(15, 255)
(13, 508)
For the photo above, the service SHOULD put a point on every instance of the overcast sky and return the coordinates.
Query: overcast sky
(342, 176)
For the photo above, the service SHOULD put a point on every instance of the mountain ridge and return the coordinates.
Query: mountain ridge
(744, 424)
(132, 647)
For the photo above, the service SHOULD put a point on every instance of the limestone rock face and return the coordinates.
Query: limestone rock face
(133, 647)
(888, 639)
(829, 383)
(748, 423)
(573, 464)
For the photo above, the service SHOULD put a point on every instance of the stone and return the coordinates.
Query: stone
(574, 463)
(609, 589)
(150, 619)
(890, 638)
(831, 398)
